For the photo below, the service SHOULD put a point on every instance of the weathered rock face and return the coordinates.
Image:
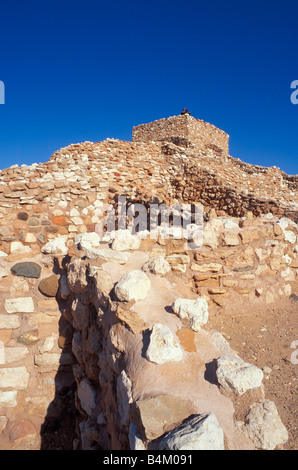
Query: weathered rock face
(198, 433)
(264, 426)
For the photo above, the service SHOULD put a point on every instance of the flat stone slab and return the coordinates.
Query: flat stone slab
(26, 269)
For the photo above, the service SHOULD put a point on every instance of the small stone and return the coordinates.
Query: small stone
(56, 246)
(49, 286)
(163, 346)
(87, 396)
(199, 432)
(13, 354)
(41, 238)
(30, 238)
(22, 429)
(14, 377)
(9, 322)
(124, 397)
(134, 285)
(161, 413)
(18, 247)
(63, 287)
(135, 441)
(120, 257)
(19, 305)
(157, 265)
(28, 338)
(33, 221)
(26, 269)
(8, 399)
(196, 311)
(264, 426)
(87, 240)
(124, 240)
(236, 375)
(22, 216)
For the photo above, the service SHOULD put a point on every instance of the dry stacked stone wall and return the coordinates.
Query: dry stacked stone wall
(184, 130)
(249, 256)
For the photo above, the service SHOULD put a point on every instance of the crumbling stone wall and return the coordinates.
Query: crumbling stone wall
(44, 207)
(184, 130)
(65, 331)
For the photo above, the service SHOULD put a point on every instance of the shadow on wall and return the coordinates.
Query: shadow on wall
(58, 430)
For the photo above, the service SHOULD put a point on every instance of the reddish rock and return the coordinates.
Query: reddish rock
(22, 429)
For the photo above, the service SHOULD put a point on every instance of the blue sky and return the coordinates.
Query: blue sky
(86, 70)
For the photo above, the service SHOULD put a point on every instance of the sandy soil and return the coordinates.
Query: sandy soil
(264, 338)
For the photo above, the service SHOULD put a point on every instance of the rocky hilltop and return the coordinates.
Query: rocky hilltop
(107, 341)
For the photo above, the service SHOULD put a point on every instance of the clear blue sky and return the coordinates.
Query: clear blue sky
(79, 70)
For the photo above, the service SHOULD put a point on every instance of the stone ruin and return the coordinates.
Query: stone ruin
(114, 331)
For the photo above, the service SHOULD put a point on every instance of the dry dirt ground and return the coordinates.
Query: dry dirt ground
(264, 338)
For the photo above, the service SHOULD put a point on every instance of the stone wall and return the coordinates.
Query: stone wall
(67, 328)
(186, 131)
(60, 336)
(141, 356)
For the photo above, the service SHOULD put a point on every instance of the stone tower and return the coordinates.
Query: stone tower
(185, 131)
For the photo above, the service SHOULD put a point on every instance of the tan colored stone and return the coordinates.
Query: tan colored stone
(249, 235)
(162, 413)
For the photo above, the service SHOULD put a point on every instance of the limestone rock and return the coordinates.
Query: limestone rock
(196, 311)
(18, 247)
(120, 257)
(87, 240)
(157, 265)
(163, 346)
(55, 247)
(8, 399)
(124, 240)
(134, 285)
(19, 305)
(199, 432)
(236, 375)
(14, 377)
(264, 426)
(9, 322)
(13, 354)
